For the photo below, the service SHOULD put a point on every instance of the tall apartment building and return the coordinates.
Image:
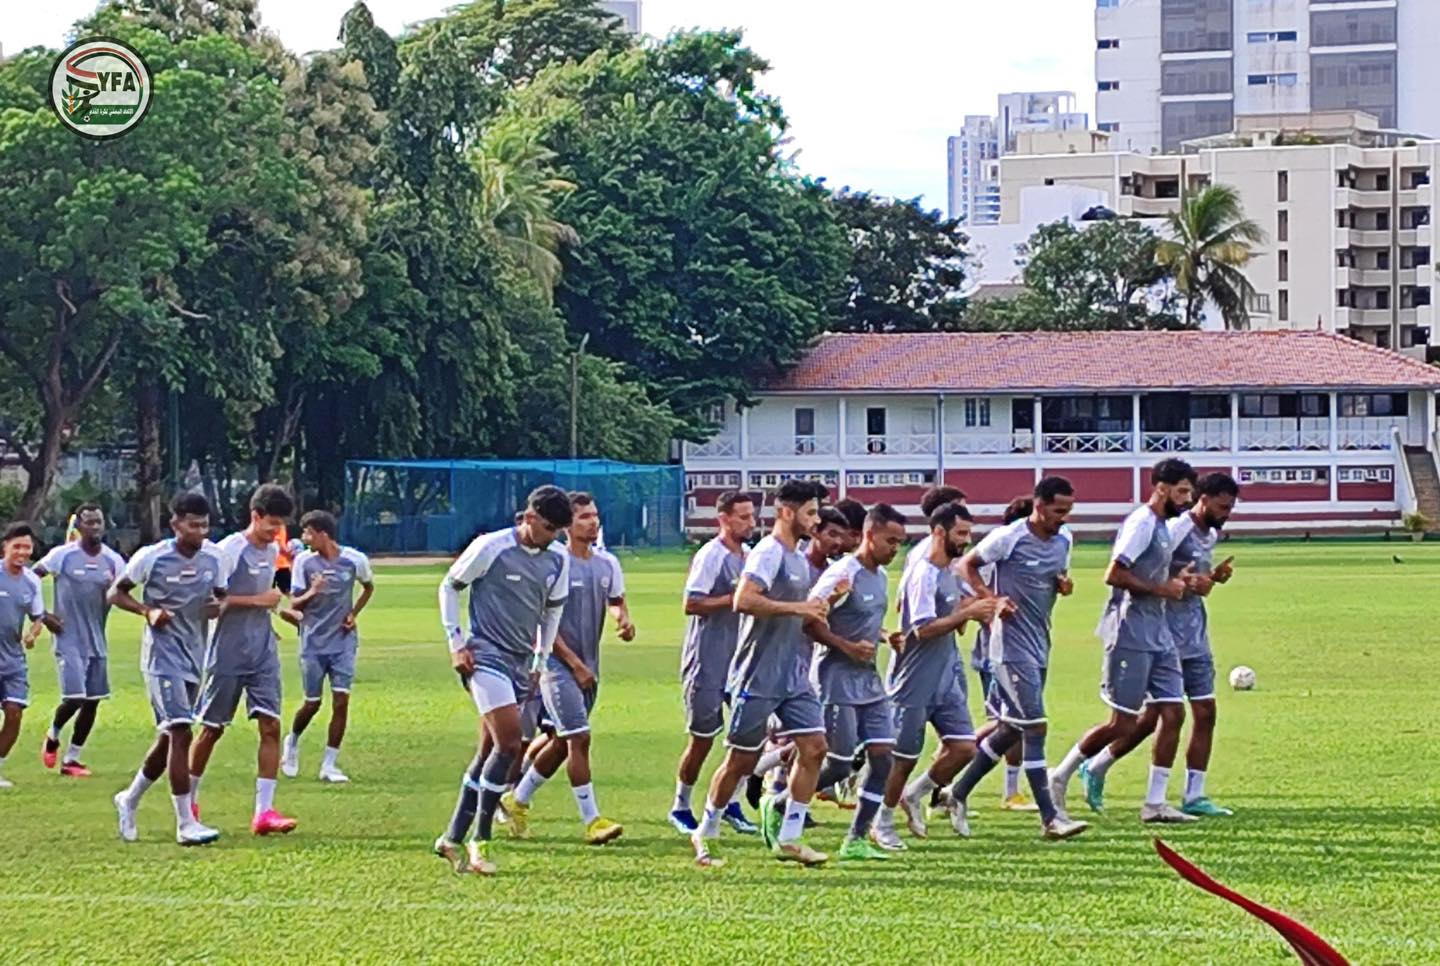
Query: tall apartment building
(974, 185)
(1348, 209)
(1167, 71)
(627, 10)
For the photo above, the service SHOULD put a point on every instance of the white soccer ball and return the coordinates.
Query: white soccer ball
(1242, 678)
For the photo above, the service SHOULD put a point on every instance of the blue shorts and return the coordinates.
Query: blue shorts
(1132, 679)
(852, 726)
(1017, 694)
(15, 688)
(567, 705)
(221, 696)
(173, 699)
(315, 668)
(798, 714)
(1199, 675)
(985, 678)
(705, 711)
(950, 719)
(82, 678)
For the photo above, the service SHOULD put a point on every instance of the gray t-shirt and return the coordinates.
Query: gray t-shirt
(1189, 627)
(243, 640)
(321, 625)
(183, 586)
(710, 640)
(511, 587)
(1138, 623)
(20, 596)
(859, 616)
(772, 659)
(594, 583)
(82, 581)
(925, 669)
(1026, 568)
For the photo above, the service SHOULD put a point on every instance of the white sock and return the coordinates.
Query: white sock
(195, 787)
(330, 755)
(585, 801)
(794, 823)
(138, 786)
(72, 754)
(920, 787)
(1159, 780)
(182, 810)
(738, 794)
(1101, 763)
(682, 797)
(710, 822)
(53, 733)
(2, 761)
(292, 741)
(885, 818)
(1012, 780)
(264, 795)
(530, 783)
(1064, 771)
(1194, 785)
(768, 761)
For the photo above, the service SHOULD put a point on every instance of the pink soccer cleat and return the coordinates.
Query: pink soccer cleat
(270, 821)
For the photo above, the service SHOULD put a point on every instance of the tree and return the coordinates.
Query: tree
(906, 268)
(1102, 277)
(1211, 242)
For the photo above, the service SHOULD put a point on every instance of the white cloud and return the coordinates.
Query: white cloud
(872, 88)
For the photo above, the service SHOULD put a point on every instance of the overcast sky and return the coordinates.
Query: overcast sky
(872, 88)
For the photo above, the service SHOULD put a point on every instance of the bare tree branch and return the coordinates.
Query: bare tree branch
(185, 313)
(97, 370)
(26, 459)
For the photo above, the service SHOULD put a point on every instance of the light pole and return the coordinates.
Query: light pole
(575, 395)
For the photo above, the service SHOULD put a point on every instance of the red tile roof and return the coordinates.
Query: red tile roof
(1061, 361)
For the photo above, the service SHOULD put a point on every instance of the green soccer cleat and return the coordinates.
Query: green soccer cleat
(770, 820)
(1094, 786)
(1204, 808)
(859, 850)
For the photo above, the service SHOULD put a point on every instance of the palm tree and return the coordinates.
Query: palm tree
(1210, 241)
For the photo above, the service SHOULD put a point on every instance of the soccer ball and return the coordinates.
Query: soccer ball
(1242, 678)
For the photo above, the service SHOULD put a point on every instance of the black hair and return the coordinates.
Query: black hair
(321, 521)
(796, 493)
(1217, 484)
(189, 505)
(945, 517)
(1052, 486)
(17, 530)
(271, 500)
(727, 502)
(831, 517)
(1171, 471)
(883, 513)
(821, 491)
(552, 504)
(1018, 509)
(854, 513)
(87, 507)
(937, 496)
(581, 498)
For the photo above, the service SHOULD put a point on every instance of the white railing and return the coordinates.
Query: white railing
(1167, 442)
(1087, 442)
(792, 446)
(720, 447)
(1409, 502)
(905, 444)
(1373, 438)
(1020, 441)
(1284, 439)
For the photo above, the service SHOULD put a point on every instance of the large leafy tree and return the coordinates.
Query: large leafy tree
(906, 270)
(1211, 243)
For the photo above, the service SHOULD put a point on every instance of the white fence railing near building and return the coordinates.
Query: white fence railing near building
(1377, 439)
(899, 444)
(1087, 442)
(792, 446)
(961, 444)
(720, 447)
(1284, 439)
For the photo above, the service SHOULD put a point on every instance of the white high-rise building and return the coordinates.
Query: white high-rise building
(626, 10)
(1168, 71)
(973, 154)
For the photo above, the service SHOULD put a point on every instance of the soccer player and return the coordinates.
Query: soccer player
(931, 500)
(324, 607)
(1030, 558)
(927, 683)
(771, 676)
(571, 677)
(1141, 662)
(858, 713)
(184, 580)
(854, 513)
(1193, 536)
(518, 583)
(827, 543)
(83, 572)
(20, 597)
(711, 630)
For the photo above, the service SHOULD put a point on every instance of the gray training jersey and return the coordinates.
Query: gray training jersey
(243, 640)
(183, 586)
(322, 633)
(594, 583)
(1026, 568)
(20, 596)
(772, 659)
(925, 669)
(511, 587)
(859, 616)
(81, 583)
(1189, 627)
(710, 640)
(1138, 623)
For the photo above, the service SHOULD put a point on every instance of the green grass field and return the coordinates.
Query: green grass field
(1331, 764)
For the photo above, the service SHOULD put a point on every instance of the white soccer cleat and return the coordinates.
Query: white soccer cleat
(959, 818)
(193, 833)
(1063, 826)
(887, 839)
(5, 782)
(914, 811)
(1164, 814)
(126, 815)
(333, 775)
(290, 759)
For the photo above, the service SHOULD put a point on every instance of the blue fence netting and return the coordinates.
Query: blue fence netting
(437, 506)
